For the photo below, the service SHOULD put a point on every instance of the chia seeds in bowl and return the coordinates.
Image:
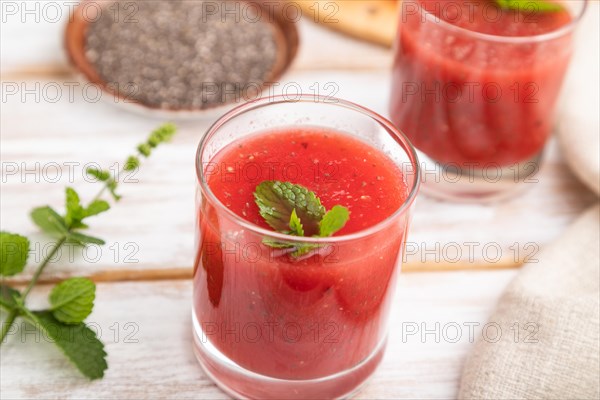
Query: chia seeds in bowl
(182, 55)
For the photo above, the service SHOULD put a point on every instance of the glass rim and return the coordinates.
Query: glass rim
(561, 31)
(397, 135)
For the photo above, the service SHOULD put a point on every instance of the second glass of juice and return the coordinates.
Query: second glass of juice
(475, 88)
(267, 322)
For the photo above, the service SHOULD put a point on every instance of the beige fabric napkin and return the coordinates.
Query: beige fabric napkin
(554, 304)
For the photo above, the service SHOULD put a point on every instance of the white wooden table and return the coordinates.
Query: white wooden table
(144, 292)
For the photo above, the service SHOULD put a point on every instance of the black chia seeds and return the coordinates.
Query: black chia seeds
(175, 55)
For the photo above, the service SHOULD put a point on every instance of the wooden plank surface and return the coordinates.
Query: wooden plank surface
(151, 230)
(150, 234)
(152, 358)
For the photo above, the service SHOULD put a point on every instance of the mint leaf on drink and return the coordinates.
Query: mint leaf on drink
(296, 225)
(333, 221)
(78, 342)
(293, 209)
(276, 201)
(14, 251)
(529, 5)
(72, 300)
(277, 245)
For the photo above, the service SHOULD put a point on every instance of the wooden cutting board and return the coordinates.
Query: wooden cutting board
(371, 20)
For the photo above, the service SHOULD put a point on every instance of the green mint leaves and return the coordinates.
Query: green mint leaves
(162, 134)
(56, 225)
(294, 210)
(72, 300)
(78, 342)
(276, 201)
(101, 175)
(14, 253)
(8, 297)
(529, 5)
(296, 227)
(49, 221)
(76, 213)
(333, 221)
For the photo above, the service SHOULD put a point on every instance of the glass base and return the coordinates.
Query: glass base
(477, 185)
(241, 383)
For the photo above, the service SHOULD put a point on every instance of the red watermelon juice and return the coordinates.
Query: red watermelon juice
(476, 85)
(298, 319)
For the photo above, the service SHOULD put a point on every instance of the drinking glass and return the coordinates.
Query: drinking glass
(265, 327)
(478, 107)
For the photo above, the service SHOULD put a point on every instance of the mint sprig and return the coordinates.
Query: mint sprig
(72, 300)
(78, 342)
(294, 210)
(333, 221)
(162, 134)
(529, 5)
(297, 229)
(15, 251)
(276, 201)
(8, 297)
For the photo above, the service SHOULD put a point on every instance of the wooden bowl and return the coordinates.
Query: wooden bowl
(285, 35)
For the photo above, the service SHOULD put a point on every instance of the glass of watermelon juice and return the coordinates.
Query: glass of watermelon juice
(277, 315)
(475, 88)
